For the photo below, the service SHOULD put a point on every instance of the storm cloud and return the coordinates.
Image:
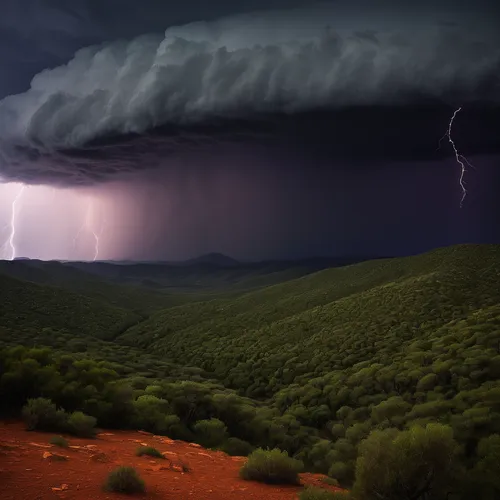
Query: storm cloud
(127, 106)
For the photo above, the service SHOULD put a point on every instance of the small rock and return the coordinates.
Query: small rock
(195, 445)
(54, 457)
(157, 468)
(91, 446)
(205, 455)
(144, 444)
(63, 487)
(99, 457)
(165, 440)
(169, 453)
(105, 434)
(41, 445)
(75, 447)
(145, 433)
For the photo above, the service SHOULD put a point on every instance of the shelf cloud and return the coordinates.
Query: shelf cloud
(128, 106)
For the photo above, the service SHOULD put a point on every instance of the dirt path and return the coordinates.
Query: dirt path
(30, 471)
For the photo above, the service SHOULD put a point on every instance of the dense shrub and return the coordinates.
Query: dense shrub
(331, 481)
(237, 447)
(271, 466)
(124, 480)
(486, 473)
(59, 441)
(416, 464)
(81, 425)
(43, 415)
(313, 493)
(331, 357)
(210, 433)
(149, 451)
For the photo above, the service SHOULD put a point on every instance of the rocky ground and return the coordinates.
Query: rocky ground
(33, 469)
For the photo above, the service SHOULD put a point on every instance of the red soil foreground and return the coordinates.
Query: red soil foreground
(29, 470)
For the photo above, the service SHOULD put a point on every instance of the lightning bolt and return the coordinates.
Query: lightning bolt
(97, 235)
(461, 160)
(12, 236)
(88, 225)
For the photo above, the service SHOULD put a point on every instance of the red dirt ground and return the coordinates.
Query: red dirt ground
(26, 475)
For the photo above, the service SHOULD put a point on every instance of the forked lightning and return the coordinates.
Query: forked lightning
(11, 241)
(461, 160)
(88, 226)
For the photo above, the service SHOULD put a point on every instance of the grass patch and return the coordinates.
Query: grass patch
(59, 441)
(272, 467)
(149, 451)
(124, 480)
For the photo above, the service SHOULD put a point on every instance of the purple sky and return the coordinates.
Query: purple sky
(272, 134)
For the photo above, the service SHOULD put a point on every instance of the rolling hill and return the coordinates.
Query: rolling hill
(367, 308)
(312, 365)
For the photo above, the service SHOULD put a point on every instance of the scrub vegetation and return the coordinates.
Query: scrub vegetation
(383, 374)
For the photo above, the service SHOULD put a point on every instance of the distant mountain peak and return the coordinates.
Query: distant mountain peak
(214, 258)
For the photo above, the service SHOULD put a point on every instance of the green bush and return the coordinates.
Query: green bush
(124, 480)
(210, 433)
(271, 466)
(81, 425)
(237, 447)
(59, 441)
(148, 450)
(43, 415)
(415, 464)
(313, 493)
(331, 481)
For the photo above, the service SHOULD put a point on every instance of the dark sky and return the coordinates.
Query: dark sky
(304, 129)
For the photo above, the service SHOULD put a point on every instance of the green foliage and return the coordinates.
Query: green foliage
(59, 441)
(42, 414)
(149, 451)
(237, 447)
(330, 480)
(210, 433)
(271, 466)
(311, 366)
(50, 307)
(81, 425)
(124, 480)
(416, 464)
(486, 472)
(313, 493)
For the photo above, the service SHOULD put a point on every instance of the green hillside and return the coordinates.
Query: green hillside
(29, 306)
(139, 299)
(313, 365)
(331, 320)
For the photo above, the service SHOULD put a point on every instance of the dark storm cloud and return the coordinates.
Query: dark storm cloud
(38, 34)
(260, 79)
